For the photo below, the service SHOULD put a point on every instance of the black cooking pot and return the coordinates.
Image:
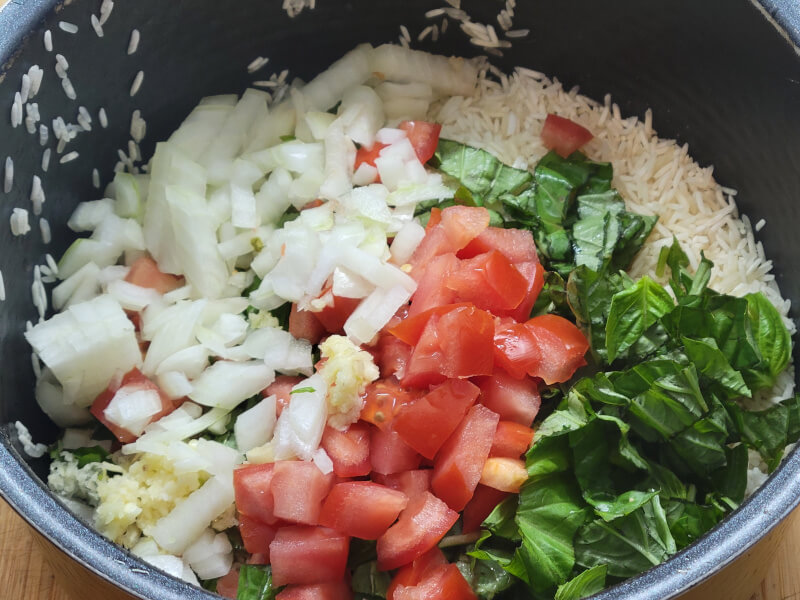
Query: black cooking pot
(718, 74)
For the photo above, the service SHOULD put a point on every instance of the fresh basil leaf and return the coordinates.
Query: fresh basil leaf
(368, 583)
(550, 512)
(731, 480)
(90, 455)
(628, 545)
(583, 585)
(632, 312)
(769, 431)
(255, 583)
(701, 446)
(547, 456)
(573, 413)
(668, 484)
(712, 364)
(689, 521)
(553, 297)
(361, 551)
(487, 578)
(772, 339)
(501, 520)
(681, 281)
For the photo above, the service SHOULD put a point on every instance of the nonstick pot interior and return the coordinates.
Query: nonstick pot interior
(716, 73)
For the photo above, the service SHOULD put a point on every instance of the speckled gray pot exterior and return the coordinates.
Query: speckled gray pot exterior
(718, 74)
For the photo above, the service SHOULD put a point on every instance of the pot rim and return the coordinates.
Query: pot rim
(31, 499)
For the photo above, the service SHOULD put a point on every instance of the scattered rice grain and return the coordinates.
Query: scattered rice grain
(46, 159)
(436, 12)
(133, 44)
(103, 118)
(67, 27)
(16, 110)
(2, 288)
(36, 73)
(518, 33)
(137, 83)
(425, 33)
(256, 64)
(8, 181)
(44, 134)
(68, 88)
(48, 40)
(25, 89)
(37, 195)
(96, 179)
(19, 221)
(69, 157)
(98, 28)
(760, 225)
(44, 228)
(105, 11)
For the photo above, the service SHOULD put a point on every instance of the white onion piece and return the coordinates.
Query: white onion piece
(203, 124)
(122, 234)
(389, 135)
(346, 284)
(225, 384)
(190, 361)
(340, 156)
(300, 426)
(365, 174)
(210, 556)
(50, 398)
(374, 313)
(174, 331)
(361, 111)
(77, 286)
(327, 88)
(172, 565)
(267, 132)
(318, 123)
(174, 384)
(88, 215)
(323, 461)
(368, 201)
(85, 250)
(279, 350)
(231, 327)
(380, 274)
(406, 241)
(272, 198)
(131, 296)
(294, 156)
(410, 193)
(254, 427)
(132, 409)
(167, 429)
(188, 519)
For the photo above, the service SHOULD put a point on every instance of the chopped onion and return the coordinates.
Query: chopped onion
(254, 427)
(225, 384)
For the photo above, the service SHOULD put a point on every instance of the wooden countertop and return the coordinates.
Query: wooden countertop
(25, 573)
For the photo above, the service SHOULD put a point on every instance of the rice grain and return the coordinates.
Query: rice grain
(19, 222)
(69, 157)
(96, 179)
(44, 229)
(103, 118)
(68, 27)
(8, 180)
(137, 83)
(48, 40)
(98, 28)
(46, 159)
(133, 43)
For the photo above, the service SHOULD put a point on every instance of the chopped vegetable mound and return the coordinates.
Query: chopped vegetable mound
(68, 478)
(347, 371)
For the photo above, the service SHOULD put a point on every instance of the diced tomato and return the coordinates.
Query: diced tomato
(228, 585)
(334, 315)
(131, 383)
(564, 136)
(298, 489)
(533, 272)
(458, 226)
(562, 343)
(304, 555)
(411, 483)
(513, 399)
(281, 388)
(516, 350)
(505, 474)
(362, 509)
(420, 527)
(304, 325)
(427, 423)
(145, 273)
(435, 218)
(382, 400)
(457, 343)
(392, 356)
(444, 582)
(489, 281)
(410, 329)
(458, 465)
(259, 558)
(368, 155)
(430, 291)
(517, 245)
(330, 590)
(348, 450)
(388, 453)
(414, 572)
(252, 485)
(256, 535)
(511, 439)
(480, 506)
(424, 138)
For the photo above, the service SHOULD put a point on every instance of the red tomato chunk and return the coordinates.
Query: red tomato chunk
(421, 525)
(480, 506)
(228, 585)
(348, 450)
(413, 572)
(424, 138)
(252, 485)
(511, 439)
(513, 399)
(444, 582)
(564, 136)
(304, 555)
(388, 453)
(362, 509)
(411, 483)
(145, 273)
(256, 535)
(298, 489)
(331, 590)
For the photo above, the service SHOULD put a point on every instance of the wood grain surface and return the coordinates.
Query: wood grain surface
(771, 572)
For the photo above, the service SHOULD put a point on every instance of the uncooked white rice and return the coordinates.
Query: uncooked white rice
(37, 195)
(46, 159)
(102, 117)
(68, 88)
(35, 73)
(44, 229)
(2, 288)
(133, 44)
(8, 179)
(48, 40)
(19, 221)
(257, 63)
(138, 128)
(137, 83)
(67, 27)
(98, 28)
(96, 179)
(69, 157)
(25, 89)
(105, 11)
(44, 134)
(16, 110)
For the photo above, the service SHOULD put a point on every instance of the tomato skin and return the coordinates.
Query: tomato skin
(511, 440)
(388, 453)
(459, 463)
(513, 399)
(298, 489)
(392, 356)
(516, 350)
(457, 227)
(516, 245)
(410, 329)
(489, 281)
(256, 535)
(427, 423)
(562, 343)
(304, 555)
(480, 506)
(430, 292)
(348, 450)
(444, 582)
(281, 388)
(563, 135)
(382, 400)
(304, 325)
(411, 483)
(362, 509)
(228, 585)
(368, 155)
(330, 590)
(424, 138)
(413, 573)
(334, 315)
(145, 273)
(420, 527)
(132, 381)
(533, 272)
(252, 485)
